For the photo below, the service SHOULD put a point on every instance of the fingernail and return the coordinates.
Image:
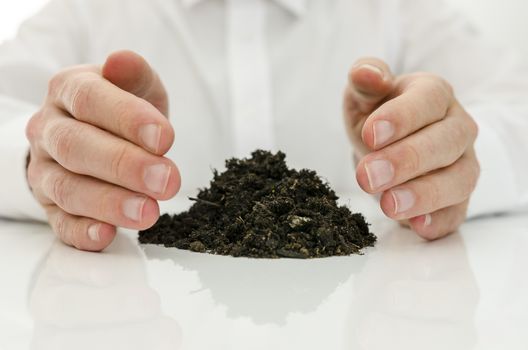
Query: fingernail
(133, 208)
(427, 220)
(93, 232)
(403, 200)
(372, 68)
(383, 131)
(379, 172)
(156, 177)
(150, 136)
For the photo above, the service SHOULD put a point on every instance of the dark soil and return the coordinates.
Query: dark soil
(260, 208)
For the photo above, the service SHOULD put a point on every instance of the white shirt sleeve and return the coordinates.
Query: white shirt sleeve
(491, 83)
(17, 200)
(45, 43)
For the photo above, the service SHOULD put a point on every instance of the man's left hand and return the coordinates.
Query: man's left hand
(414, 145)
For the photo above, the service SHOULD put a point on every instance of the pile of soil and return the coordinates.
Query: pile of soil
(260, 208)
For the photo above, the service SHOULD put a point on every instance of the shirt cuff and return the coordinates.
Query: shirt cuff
(496, 190)
(17, 199)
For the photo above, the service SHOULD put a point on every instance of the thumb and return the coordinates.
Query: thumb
(131, 72)
(370, 81)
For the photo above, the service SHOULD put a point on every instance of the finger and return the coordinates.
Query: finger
(440, 223)
(431, 192)
(371, 79)
(131, 72)
(422, 100)
(81, 233)
(435, 146)
(369, 82)
(88, 197)
(94, 100)
(87, 150)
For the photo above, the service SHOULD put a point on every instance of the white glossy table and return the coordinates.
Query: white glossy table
(468, 291)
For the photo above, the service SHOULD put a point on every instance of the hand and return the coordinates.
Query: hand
(418, 296)
(414, 145)
(97, 146)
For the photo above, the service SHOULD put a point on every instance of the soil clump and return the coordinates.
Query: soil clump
(260, 208)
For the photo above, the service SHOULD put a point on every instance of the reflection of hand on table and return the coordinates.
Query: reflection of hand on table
(267, 291)
(84, 300)
(415, 295)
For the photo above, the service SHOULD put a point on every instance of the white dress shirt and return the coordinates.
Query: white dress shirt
(243, 74)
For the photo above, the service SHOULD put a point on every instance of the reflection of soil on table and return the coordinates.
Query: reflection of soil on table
(265, 290)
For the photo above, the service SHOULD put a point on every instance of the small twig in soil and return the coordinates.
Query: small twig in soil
(205, 202)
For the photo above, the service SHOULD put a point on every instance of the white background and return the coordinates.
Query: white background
(500, 20)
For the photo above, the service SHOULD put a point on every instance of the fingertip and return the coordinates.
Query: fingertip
(366, 73)
(367, 135)
(100, 236)
(423, 227)
(173, 183)
(177, 180)
(362, 177)
(123, 66)
(129, 71)
(388, 205)
(80, 232)
(150, 214)
(166, 139)
(107, 234)
(370, 79)
(94, 238)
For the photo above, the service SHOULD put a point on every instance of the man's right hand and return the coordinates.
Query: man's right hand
(97, 146)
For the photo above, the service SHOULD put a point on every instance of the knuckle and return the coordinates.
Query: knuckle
(60, 225)
(34, 173)
(455, 141)
(117, 166)
(410, 159)
(434, 196)
(33, 127)
(78, 229)
(60, 191)
(404, 112)
(439, 94)
(416, 77)
(123, 118)
(56, 83)
(61, 140)
(441, 85)
(81, 88)
(439, 91)
(106, 210)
